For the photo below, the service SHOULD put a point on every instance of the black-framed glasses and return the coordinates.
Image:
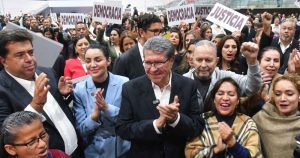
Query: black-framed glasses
(35, 142)
(156, 31)
(156, 64)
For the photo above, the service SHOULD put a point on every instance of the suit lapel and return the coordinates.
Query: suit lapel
(146, 92)
(91, 88)
(175, 88)
(136, 55)
(111, 89)
(20, 93)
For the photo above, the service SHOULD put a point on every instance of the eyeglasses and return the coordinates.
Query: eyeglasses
(156, 31)
(157, 64)
(35, 142)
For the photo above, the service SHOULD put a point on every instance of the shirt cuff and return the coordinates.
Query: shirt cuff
(174, 124)
(156, 129)
(30, 108)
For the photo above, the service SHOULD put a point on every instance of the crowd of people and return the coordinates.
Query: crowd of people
(147, 89)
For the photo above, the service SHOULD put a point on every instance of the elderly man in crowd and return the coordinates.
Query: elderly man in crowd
(285, 42)
(206, 72)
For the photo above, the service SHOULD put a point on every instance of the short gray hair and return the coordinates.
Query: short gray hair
(208, 44)
(10, 126)
(291, 20)
(160, 44)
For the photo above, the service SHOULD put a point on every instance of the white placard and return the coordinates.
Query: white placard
(46, 50)
(203, 10)
(184, 13)
(53, 17)
(227, 18)
(110, 11)
(69, 20)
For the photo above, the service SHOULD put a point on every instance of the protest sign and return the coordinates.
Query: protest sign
(202, 10)
(127, 11)
(53, 17)
(227, 18)
(46, 50)
(111, 11)
(69, 20)
(177, 14)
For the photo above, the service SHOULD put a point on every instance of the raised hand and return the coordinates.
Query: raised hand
(65, 85)
(267, 20)
(250, 51)
(100, 104)
(41, 89)
(100, 101)
(170, 112)
(264, 94)
(294, 62)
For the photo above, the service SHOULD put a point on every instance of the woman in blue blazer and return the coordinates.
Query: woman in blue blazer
(97, 101)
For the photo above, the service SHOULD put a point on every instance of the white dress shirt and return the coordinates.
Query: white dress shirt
(141, 49)
(55, 113)
(284, 48)
(163, 95)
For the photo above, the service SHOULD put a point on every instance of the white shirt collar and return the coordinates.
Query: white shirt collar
(282, 47)
(141, 48)
(168, 85)
(27, 84)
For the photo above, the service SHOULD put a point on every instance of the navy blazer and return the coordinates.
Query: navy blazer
(130, 64)
(14, 97)
(137, 113)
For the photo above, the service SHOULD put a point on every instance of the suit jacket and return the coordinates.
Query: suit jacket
(130, 64)
(269, 41)
(137, 113)
(14, 97)
(99, 136)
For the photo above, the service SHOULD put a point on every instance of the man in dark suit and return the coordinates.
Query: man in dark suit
(130, 64)
(25, 87)
(286, 41)
(159, 110)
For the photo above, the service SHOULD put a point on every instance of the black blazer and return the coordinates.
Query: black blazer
(137, 113)
(129, 64)
(269, 41)
(14, 97)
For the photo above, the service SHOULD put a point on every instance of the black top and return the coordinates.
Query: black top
(103, 85)
(202, 86)
(227, 119)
